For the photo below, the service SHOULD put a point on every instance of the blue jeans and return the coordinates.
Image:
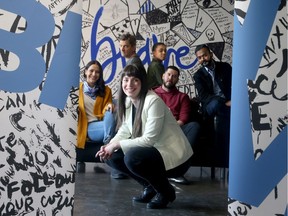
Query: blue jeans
(217, 107)
(191, 131)
(102, 131)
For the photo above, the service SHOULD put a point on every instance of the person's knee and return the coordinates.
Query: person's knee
(215, 107)
(132, 158)
(109, 115)
(192, 127)
(195, 126)
(138, 157)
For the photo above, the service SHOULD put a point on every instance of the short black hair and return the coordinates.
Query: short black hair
(201, 46)
(156, 45)
(174, 68)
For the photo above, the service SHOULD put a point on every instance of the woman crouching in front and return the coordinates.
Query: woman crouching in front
(149, 145)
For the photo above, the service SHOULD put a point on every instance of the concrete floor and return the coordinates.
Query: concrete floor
(96, 194)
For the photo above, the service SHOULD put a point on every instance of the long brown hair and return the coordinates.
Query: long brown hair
(100, 83)
(140, 73)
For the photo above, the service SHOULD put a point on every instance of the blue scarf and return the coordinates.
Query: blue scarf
(90, 91)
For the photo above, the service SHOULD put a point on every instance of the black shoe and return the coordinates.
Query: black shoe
(116, 174)
(80, 167)
(180, 180)
(161, 200)
(146, 196)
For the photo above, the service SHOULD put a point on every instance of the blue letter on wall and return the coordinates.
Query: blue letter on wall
(64, 68)
(40, 28)
(250, 180)
(64, 71)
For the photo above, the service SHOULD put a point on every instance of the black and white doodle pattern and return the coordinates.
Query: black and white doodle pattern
(180, 24)
(241, 7)
(37, 142)
(274, 204)
(265, 93)
(37, 156)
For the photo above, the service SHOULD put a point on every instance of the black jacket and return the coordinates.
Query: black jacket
(204, 84)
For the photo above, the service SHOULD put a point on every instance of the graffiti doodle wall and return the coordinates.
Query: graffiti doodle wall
(39, 63)
(180, 24)
(258, 157)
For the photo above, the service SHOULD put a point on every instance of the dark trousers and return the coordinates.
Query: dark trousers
(217, 107)
(220, 113)
(146, 166)
(191, 131)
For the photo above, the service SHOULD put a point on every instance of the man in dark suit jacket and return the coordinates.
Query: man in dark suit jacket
(213, 83)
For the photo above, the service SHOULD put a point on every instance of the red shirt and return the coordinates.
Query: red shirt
(178, 102)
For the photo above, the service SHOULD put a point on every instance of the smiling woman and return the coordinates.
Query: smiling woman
(144, 146)
(96, 118)
(131, 87)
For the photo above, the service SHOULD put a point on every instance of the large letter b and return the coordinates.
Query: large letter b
(40, 27)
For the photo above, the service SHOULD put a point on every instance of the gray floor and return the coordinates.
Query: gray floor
(96, 194)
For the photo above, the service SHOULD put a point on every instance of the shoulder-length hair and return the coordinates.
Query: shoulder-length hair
(100, 83)
(140, 73)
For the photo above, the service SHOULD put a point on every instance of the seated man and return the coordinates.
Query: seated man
(213, 85)
(180, 106)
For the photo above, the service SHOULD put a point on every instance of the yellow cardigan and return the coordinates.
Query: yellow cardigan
(100, 107)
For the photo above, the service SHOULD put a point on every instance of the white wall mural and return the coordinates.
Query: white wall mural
(181, 24)
(38, 109)
(38, 126)
(264, 187)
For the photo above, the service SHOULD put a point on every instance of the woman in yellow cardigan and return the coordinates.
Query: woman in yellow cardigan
(95, 121)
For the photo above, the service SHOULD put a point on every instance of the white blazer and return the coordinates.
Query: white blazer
(159, 129)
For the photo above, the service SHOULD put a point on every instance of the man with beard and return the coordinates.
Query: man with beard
(180, 106)
(213, 84)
